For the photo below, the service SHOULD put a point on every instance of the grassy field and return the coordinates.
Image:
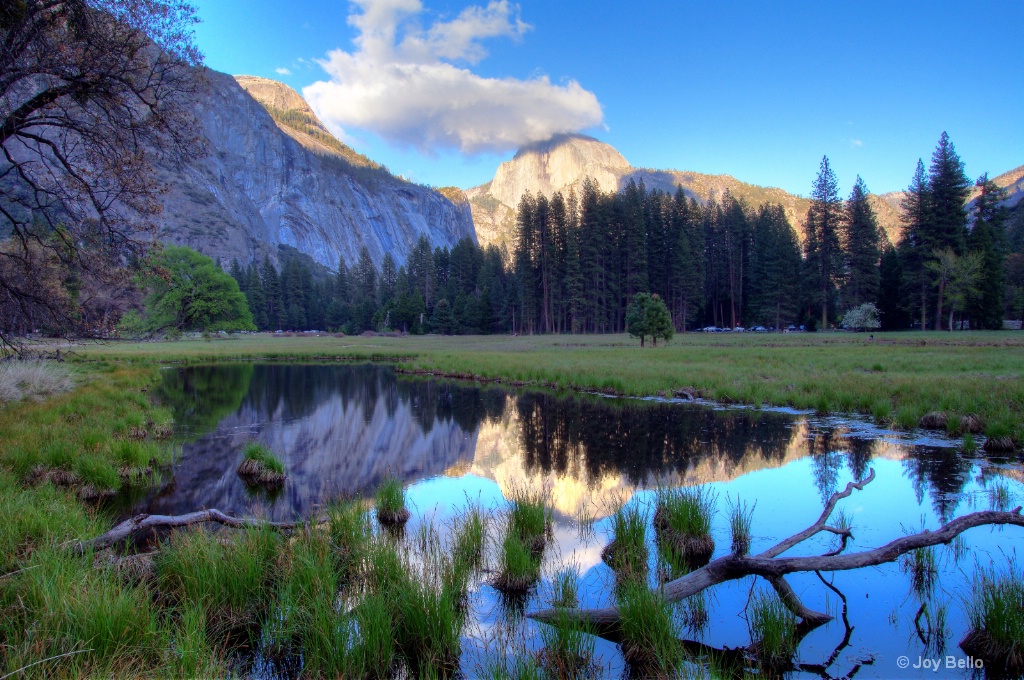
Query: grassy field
(896, 378)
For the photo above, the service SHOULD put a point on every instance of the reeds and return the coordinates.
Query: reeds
(923, 567)
(650, 634)
(260, 467)
(995, 610)
(627, 551)
(741, 519)
(682, 520)
(390, 503)
(772, 629)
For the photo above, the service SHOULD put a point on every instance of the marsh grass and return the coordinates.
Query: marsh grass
(470, 537)
(741, 517)
(259, 453)
(390, 502)
(923, 567)
(772, 629)
(565, 587)
(568, 648)
(650, 634)
(34, 380)
(995, 609)
(518, 565)
(529, 516)
(682, 520)
(627, 552)
(1000, 498)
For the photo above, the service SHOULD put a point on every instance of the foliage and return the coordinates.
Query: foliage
(87, 109)
(648, 315)
(187, 291)
(862, 318)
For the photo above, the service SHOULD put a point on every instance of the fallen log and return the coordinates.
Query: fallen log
(143, 523)
(773, 568)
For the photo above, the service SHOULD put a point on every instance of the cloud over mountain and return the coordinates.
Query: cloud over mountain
(412, 85)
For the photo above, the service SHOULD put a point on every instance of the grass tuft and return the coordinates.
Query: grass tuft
(996, 613)
(650, 635)
(741, 518)
(390, 503)
(627, 551)
(772, 629)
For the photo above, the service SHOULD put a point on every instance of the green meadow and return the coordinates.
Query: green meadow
(896, 378)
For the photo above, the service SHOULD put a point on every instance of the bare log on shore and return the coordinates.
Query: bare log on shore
(142, 523)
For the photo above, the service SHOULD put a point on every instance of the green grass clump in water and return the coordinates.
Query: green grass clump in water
(261, 454)
(529, 517)
(650, 635)
(232, 579)
(568, 648)
(687, 510)
(996, 613)
(470, 533)
(740, 520)
(923, 567)
(390, 502)
(772, 629)
(518, 565)
(627, 552)
(349, 529)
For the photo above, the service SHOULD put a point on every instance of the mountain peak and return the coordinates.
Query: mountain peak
(295, 117)
(557, 164)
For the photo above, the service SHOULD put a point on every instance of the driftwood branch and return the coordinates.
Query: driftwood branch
(142, 523)
(773, 568)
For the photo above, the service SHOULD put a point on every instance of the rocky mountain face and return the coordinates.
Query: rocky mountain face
(274, 175)
(565, 161)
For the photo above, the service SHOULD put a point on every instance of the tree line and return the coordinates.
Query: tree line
(580, 260)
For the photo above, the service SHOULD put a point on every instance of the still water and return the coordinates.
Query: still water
(341, 429)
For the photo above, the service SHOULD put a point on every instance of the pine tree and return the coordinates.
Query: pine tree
(949, 189)
(775, 267)
(388, 279)
(861, 236)
(275, 300)
(823, 252)
(422, 274)
(892, 311)
(988, 240)
(256, 297)
(442, 321)
(916, 246)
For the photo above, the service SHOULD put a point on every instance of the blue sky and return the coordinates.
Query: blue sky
(756, 90)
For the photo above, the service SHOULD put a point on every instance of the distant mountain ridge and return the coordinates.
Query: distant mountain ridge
(562, 163)
(275, 176)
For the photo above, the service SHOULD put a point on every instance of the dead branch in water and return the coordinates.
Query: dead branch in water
(773, 568)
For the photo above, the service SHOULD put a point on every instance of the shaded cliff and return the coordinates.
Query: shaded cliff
(274, 175)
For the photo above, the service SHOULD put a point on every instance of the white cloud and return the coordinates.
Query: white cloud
(856, 143)
(282, 71)
(411, 85)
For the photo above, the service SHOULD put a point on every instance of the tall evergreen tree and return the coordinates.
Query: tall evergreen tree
(256, 298)
(892, 311)
(916, 245)
(861, 236)
(388, 279)
(824, 256)
(949, 188)
(775, 267)
(988, 240)
(276, 317)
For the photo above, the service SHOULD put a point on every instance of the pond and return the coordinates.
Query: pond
(340, 430)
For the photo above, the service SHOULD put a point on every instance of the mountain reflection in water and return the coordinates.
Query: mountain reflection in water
(340, 429)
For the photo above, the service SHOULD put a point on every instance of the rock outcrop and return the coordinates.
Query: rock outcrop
(274, 175)
(563, 162)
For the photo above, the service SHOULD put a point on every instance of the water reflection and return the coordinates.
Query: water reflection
(340, 429)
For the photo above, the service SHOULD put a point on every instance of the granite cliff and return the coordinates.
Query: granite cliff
(274, 175)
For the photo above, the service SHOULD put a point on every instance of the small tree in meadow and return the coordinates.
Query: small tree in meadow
(862, 318)
(648, 315)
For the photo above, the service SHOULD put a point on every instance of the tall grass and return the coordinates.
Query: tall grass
(772, 629)
(995, 609)
(650, 634)
(627, 553)
(33, 380)
(741, 519)
(390, 502)
(923, 567)
(259, 453)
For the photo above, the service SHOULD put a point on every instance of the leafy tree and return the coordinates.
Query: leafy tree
(648, 315)
(861, 237)
(187, 291)
(636, 317)
(823, 252)
(659, 321)
(862, 318)
(958, 279)
(87, 107)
